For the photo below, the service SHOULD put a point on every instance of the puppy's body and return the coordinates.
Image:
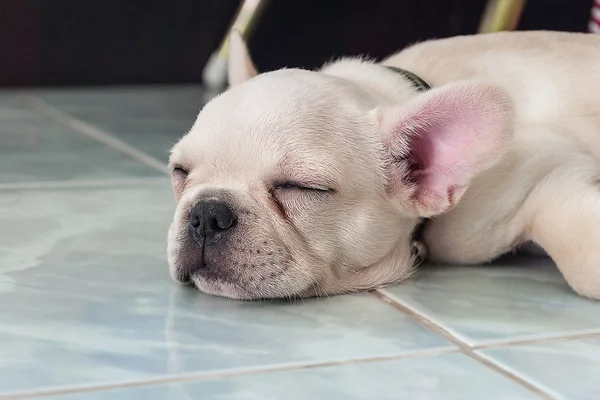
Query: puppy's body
(505, 149)
(546, 188)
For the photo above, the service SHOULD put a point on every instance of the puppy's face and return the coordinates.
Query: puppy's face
(295, 183)
(281, 191)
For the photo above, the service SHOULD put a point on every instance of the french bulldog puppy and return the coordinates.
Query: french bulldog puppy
(300, 183)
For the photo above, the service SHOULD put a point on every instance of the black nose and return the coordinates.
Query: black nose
(210, 219)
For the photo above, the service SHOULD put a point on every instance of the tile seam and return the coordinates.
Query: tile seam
(92, 132)
(200, 376)
(464, 347)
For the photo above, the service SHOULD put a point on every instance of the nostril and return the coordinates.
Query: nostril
(214, 225)
(224, 222)
(195, 221)
(220, 216)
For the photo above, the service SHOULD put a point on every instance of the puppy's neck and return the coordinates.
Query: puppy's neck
(388, 86)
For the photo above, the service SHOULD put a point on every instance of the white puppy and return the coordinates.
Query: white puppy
(303, 183)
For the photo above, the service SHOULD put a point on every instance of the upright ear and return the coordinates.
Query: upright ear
(240, 66)
(440, 141)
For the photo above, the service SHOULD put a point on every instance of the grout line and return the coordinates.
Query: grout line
(549, 392)
(95, 133)
(466, 349)
(503, 342)
(424, 314)
(212, 375)
(81, 183)
(592, 334)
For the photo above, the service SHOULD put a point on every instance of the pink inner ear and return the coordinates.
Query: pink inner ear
(449, 135)
(436, 159)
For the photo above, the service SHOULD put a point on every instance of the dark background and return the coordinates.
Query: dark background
(95, 42)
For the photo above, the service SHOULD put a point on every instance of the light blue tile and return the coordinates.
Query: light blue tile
(443, 377)
(166, 102)
(85, 297)
(151, 118)
(38, 149)
(569, 369)
(151, 134)
(14, 106)
(518, 297)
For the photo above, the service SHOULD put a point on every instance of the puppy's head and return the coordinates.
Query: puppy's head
(300, 183)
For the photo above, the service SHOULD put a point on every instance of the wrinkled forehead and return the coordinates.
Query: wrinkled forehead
(290, 118)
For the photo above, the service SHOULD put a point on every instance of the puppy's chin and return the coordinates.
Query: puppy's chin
(238, 291)
(228, 290)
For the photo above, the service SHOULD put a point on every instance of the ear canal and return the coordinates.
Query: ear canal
(240, 67)
(440, 141)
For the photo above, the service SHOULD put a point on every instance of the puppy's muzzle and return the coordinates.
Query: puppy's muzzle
(210, 223)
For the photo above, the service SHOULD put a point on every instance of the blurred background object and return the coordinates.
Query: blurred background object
(594, 24)
(93, 42)
(214, 75)
(501, 15)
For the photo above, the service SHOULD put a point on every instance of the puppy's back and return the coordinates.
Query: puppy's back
(553, 78)
(544, 72)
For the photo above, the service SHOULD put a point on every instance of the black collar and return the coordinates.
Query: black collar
(419, 247)
(419, 83)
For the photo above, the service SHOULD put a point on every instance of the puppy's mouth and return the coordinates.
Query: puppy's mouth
(225, 273)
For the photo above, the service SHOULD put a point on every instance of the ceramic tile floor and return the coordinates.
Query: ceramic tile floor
(88, 311)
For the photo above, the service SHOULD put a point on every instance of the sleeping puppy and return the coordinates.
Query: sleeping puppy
(304, 183)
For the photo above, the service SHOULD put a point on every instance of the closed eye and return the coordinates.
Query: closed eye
(303, 187)
(179, 177)
(180, 171)
(291, 198)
